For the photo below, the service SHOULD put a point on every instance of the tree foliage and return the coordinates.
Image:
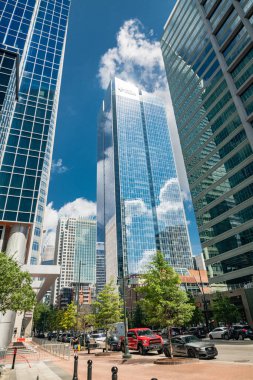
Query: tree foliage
(224, 310)
(45, 318)
(16, 291)
(164, 302)
(67, 319)
(197, 316)
(108, 307)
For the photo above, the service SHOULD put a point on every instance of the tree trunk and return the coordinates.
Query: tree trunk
(170, 344)
(106, 340)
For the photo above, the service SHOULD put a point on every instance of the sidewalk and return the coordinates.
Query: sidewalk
(39, 370)
(142, 368)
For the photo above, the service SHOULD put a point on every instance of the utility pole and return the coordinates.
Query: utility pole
(204, 302)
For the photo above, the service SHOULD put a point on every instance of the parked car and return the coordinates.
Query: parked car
(173, 332)
(52, 335)
(218, 333)
(114, 343)
(99, 337)
(239, 332)
(143, 340)
(84, 339)
(40, 335)
(199, 332)
(191, 346)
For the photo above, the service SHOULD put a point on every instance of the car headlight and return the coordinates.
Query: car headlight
(202, 349)
(145, 341)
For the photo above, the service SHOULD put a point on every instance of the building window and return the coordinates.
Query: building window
(35, 246)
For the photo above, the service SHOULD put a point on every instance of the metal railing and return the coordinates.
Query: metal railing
(62, 350)
(2, 354)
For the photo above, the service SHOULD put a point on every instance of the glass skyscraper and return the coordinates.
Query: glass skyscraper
(139, 205)
(208, 55)
(32, 43)
(76, 253)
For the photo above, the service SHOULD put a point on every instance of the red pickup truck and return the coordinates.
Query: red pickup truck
(143, 340)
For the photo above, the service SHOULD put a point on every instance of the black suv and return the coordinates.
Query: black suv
(199, 332)
(241, 332)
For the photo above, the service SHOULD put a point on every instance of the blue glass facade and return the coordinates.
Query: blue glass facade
(208, 56)
(139, 205)
(32, 41)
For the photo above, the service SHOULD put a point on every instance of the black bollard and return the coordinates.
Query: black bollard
(75, 374)
(114, 373)
(89, 370)
(14, 358)
(154, 378)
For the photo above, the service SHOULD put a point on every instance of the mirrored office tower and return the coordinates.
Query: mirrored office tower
(208, 55)
(139, 205)
(32, 42)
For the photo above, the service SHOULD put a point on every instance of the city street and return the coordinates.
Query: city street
(234, 351)
(235, 360)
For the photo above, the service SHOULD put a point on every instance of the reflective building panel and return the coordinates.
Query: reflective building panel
(208, 56)
(32, 43)
(75, 252)
(139, 205)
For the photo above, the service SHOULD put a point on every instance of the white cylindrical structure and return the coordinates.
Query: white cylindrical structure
(7, 322)
(16, 246)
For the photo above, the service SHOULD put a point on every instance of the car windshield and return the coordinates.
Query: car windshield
(144, 332)
(190, 339)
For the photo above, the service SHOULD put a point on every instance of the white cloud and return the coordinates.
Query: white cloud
(147, 257)
(58, 167)
(79, 207)
(137, 58)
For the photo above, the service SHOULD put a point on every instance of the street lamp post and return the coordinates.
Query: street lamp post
(126, 354)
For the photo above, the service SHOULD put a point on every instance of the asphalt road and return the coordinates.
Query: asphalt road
(234, 351)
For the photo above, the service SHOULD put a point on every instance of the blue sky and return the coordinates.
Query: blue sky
(93, 29)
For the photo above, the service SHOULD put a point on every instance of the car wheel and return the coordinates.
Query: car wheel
(210, 336)
(191, 353)
(167, 352)
(160, 351)
(225, 336)
(241, 337)
(141, 350)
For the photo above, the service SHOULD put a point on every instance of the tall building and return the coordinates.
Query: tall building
(139, 205)
(207, 50)
(32, 43)
(75, 251)
(100, 267)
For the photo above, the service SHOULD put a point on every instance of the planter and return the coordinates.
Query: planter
(175, 361)
(103, 354)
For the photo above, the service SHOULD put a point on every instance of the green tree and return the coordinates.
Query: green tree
(108, 308)
(40, 317)
(139, 317)
(224, 310)
(68, 317)
(197, 316)
(16, 291)
(164, 302)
